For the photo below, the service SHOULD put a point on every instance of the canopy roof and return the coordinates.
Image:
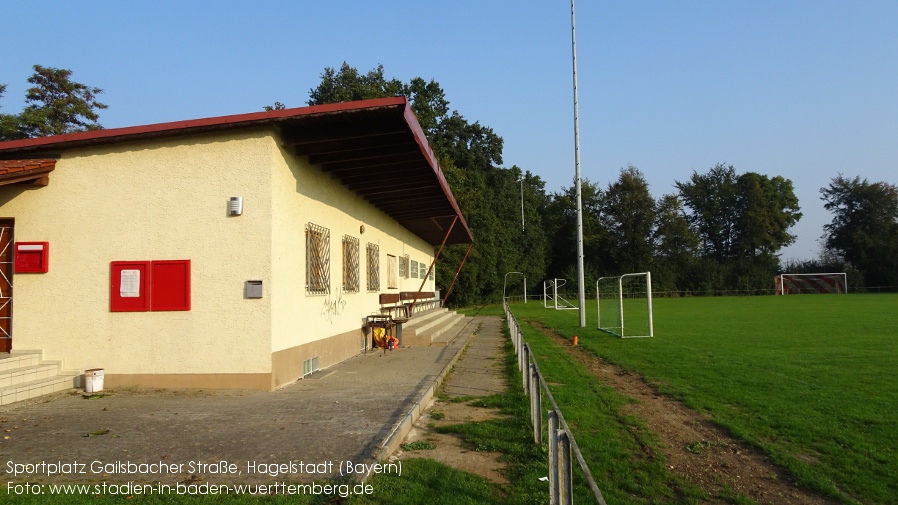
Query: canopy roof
(376, 148)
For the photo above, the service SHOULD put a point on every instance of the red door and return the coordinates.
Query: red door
(7, 255)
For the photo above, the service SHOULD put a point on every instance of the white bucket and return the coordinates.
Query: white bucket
(93, 380)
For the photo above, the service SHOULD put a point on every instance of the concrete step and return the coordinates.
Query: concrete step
(423, 318)
(18, 360)
(14, 376)
(426, 329)
(450, 333)
(440, 325)
(36, 388)
(25, 375)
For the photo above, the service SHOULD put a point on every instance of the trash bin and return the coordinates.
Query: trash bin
(93, 380)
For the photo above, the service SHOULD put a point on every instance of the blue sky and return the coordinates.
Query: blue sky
(801, 89)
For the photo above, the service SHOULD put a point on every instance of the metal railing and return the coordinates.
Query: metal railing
(560, 439)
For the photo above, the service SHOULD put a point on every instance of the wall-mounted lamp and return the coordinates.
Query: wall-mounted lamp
(235, 206)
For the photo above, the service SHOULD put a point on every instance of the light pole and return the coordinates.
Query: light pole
(581, 290)
(506, 282)
(521, 180)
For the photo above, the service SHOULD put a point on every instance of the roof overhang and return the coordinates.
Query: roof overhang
(35, 172)
(376, 148)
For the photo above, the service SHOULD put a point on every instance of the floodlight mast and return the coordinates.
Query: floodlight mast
(506, 283)
(581, 289)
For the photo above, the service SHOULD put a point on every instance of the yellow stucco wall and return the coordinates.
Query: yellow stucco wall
(301, 194)
(158, 200)
(167, 200)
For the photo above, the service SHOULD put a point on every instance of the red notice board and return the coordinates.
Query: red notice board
(129, 286)
(170, 281)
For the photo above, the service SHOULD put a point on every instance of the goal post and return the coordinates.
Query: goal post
(834, 282)
(552, 298)
(624, 305)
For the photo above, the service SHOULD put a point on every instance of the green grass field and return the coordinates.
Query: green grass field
(812, 380)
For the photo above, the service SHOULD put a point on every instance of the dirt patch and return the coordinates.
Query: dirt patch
(694, 447)
(450, 449)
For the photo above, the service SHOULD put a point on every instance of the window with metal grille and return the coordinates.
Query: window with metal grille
(318, 277)
(350, 264)
(414, 269)
(392, 274)
(373, 267)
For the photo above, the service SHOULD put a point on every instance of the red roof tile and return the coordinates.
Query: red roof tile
(12, 171)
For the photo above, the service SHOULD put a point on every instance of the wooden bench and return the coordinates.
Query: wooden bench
(423, 300)
(399, 305)
(391, 304)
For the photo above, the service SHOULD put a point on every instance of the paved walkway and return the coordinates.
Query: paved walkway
(480, 370)
(352, 412)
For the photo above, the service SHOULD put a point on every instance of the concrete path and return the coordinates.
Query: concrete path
(351, 412)
(480, 371)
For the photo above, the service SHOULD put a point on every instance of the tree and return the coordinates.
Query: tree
(470, 146)
(429, 102)
(676, 245)
(348, 84)
(9, 123)
(560, 224)
(864, 229)
(767, 209)
(628, 211)
(742, 221)
(674, 239)
(427, 98)
(56, 105)
(712, 200)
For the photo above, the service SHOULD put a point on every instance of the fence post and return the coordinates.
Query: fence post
(553, 458)
(565, 485)
(536, 405)
(525, 369)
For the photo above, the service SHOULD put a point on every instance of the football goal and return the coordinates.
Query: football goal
(787, 284)
(554, 299)
(625, 305)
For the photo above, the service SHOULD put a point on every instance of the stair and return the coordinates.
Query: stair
(434, 327)
(25, 375)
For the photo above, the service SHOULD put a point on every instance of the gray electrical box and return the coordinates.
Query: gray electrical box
(253, 289)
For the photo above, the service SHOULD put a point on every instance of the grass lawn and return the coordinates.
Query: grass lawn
(812, 380)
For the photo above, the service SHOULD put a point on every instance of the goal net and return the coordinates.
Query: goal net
(787, 284)
(554, 296)
(625, 305)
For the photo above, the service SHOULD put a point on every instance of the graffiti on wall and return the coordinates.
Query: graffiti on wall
(333, 305)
